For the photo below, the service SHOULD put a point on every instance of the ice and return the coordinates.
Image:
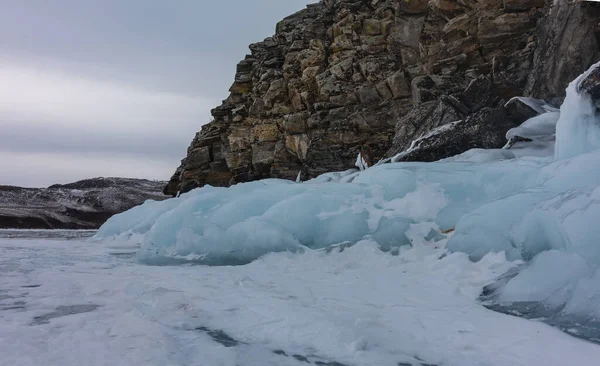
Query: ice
(361, 163)
(356, 307)
(220, 226)
(541, 211)
(334, 177)
(559, 234)
(137, 220)
(537, 105)
(537, 127)
(552, 225)
(578, 130)
(541, 130)
(481, 156)
(555, 213)
(537, 283)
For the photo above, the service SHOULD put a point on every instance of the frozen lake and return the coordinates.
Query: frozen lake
(68, 301)
(46, 234)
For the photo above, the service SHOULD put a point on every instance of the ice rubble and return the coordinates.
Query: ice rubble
(536, 209)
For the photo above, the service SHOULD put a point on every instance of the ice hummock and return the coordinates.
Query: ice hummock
(223, 226)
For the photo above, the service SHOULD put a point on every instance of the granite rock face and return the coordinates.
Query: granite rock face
(345, 76)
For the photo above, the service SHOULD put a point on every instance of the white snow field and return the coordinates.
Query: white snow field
(72, 303)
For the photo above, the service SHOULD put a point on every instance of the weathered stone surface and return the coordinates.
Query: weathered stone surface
(479, 94)
(344, 76)
(431, 87)
(412, 6)
(419, 121)
(199, 157)
(520, 5)
(591, 84)
(485, 129)
(495, 27)
(566, 46)
(444, 110)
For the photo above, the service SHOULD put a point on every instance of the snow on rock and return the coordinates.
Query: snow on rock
(84, 204)
(416, 144)
(535, 137)
(524, 108)
(485, 128)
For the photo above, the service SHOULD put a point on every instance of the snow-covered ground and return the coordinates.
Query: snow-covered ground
(76, 302)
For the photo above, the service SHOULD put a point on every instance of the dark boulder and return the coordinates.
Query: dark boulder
(522, 109)
(485, 129)
(567, 45)
(590, 84)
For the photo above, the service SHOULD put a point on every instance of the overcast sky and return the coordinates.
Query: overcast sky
(116, 87)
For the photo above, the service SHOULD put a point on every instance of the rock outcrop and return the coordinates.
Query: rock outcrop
(590, 84)
(86, 204)
(486, 127)
(567, 45)
(345, 76)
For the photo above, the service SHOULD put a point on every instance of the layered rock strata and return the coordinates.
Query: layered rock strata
(344, 76)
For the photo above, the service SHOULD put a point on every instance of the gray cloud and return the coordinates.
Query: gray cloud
(81, 140)
(186, 45)
(111, 87)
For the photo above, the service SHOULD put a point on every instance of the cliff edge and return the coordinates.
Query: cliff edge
(344, 77)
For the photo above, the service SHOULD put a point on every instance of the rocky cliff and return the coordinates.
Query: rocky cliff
(347, 76)
(86, 204)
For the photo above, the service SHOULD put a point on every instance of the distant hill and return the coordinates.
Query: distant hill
(85, 204)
